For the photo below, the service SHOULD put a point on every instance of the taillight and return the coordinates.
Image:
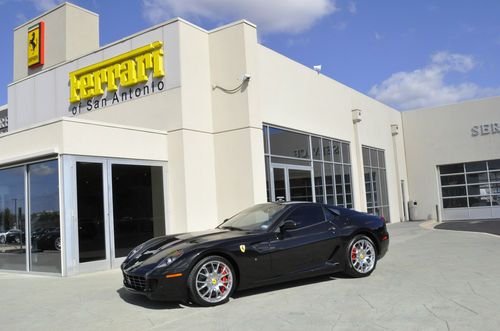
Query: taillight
(385, 237)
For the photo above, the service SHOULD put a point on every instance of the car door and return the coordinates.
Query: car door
(308, 246)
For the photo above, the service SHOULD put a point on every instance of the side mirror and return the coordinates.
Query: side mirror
(288, 225)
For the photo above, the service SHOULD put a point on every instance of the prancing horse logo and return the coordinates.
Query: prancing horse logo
(242, 248)
(32, 41)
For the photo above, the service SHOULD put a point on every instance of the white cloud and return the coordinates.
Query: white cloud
(351, 7)
(290, 16)
(44, 5)
(426, 87)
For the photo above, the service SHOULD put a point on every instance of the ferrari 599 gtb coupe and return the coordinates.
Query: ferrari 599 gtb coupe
(265, 244)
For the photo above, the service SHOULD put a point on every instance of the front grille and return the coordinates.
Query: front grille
(135, 282)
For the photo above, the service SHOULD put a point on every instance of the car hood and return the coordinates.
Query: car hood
(155, 250)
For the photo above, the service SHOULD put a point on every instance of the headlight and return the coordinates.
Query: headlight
(169, 259)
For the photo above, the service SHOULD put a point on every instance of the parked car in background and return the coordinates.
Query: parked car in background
(47, 239)
(12, 236)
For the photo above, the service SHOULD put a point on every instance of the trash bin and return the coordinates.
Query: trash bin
(412, 210)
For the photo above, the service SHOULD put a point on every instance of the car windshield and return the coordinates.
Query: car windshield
(258, 217)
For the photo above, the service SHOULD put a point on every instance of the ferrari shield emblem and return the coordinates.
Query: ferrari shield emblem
(242, 248)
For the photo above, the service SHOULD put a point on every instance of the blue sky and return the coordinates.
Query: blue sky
(408, 54)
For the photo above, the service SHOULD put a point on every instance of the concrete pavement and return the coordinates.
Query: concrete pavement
(429, 280)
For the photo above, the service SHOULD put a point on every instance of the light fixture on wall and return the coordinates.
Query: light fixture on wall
(394, 129)
(356, 115)
(245, 78)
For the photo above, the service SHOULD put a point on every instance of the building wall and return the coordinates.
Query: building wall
(442, 135)
(214, 149)
(296, 97)
(45, 95)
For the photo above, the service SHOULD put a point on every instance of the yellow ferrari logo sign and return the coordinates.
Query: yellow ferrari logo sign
(36, 44)
(124, 70)
(242, 248)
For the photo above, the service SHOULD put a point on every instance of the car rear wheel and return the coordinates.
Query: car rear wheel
(57, 244)
(211, 281)
(361, 257)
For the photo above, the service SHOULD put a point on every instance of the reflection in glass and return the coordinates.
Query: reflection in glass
(451, 169)
(481, 177)
(300, 185)
(44, 213)
(377, 194)
(90, 201)
(475, 166)
(455, 202)
(12, 219)
(453, 191)
(279, 184)
(305, 150)
(453, 179)
(288, 143)
(316, 148)
(318, 180)
(138, 207)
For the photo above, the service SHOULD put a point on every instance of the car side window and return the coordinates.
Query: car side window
(307, 215)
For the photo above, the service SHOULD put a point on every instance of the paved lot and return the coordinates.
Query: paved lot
(430, 280)
(486, 226)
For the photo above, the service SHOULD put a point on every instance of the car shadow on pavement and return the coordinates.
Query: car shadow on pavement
(142, 301)
(283, 286)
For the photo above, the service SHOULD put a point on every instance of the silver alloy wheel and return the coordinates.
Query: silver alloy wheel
(58, 244)
(363, 256)
(214, 281)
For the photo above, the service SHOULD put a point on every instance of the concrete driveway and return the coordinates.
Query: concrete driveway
(429, 280)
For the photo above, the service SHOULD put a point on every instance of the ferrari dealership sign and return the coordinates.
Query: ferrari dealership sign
(123, 77)
(36, 40)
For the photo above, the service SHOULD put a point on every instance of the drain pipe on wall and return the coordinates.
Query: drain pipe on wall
(356, 119)
(395, 133)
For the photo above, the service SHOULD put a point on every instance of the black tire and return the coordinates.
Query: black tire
(57, 244)
(364, 264)
(194, 292)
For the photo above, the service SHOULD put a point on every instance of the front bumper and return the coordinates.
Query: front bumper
(157, 288)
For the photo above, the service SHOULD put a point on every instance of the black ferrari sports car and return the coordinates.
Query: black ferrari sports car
(265, 244)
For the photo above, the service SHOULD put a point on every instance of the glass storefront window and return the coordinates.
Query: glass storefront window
(138, 207)
(468, 185)
(327, 167)
(91, 224)
(12, 219)
(44, 217)
(377, 199)
(289, 143)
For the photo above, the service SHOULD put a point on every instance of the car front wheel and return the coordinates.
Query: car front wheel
(361, 257)
(211, 281)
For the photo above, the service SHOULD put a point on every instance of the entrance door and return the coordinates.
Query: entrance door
(119, 204)
(292, 183)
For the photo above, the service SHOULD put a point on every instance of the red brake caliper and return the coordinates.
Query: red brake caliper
(224, 280)
(353, 254)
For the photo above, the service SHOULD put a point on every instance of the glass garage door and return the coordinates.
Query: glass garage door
(470, 190)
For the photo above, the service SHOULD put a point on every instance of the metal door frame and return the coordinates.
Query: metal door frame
(286, 168)
(73, 265)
